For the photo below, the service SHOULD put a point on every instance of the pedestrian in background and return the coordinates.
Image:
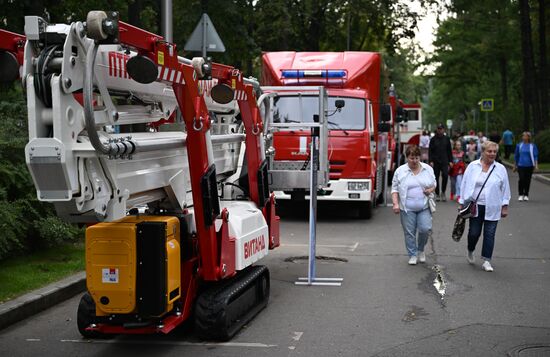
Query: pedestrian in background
(457, 171)
(424, 145)
(441, 157)
(480, 140)
(495, 137)
(508, 142)
(492, 200)
(471, 150)
(412, 183)
(527, 160)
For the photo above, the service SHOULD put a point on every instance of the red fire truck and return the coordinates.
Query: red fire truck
(406, 128)
(357, 149)
(411, 130)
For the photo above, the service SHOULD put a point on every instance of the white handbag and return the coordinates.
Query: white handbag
(431, 203)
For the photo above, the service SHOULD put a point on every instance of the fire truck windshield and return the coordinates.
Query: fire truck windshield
(300, 109)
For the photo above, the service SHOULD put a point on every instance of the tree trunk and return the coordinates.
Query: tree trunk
(250, 29)
(530, 95)
(503, 80)
(543, 74)
(134, 10)
(316, 23)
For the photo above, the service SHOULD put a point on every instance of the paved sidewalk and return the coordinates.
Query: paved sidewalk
(541, 177)
(41, 299)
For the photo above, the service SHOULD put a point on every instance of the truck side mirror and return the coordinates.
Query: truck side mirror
(384, 127)
(402, 115)
(385, 113)
(339, 103)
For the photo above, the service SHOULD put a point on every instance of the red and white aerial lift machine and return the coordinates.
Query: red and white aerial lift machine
(210, 213)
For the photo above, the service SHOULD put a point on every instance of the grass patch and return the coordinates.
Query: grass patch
(23, 274)
(543, 166)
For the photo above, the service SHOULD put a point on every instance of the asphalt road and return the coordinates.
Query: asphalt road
(384, 307)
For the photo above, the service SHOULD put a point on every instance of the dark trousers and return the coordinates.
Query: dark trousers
(507, 151)
(489, 231)
(442, 169)
(524, 182)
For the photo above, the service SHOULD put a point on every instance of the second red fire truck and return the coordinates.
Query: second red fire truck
(357, 148)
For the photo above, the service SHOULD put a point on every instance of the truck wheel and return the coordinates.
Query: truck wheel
(365, 210)
(86, 316)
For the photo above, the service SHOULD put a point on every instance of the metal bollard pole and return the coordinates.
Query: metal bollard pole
(314, 163)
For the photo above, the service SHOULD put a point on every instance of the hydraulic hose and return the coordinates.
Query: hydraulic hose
(89, 107)
(114, 148)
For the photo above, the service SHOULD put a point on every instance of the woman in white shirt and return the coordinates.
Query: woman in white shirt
(424, 144)
(492, 203)
(411, 185)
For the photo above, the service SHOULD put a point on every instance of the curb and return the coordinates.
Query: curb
(538, 177)
(542, 178)
(39, 300)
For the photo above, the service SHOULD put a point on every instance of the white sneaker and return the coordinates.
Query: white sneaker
(487, 266)
(422, 257)
(412, 260)
(520, 198)
(471, 258)
(526, 198)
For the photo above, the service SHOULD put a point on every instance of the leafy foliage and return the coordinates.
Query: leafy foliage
(26, 223)
(12, 229)
(543, 144)
(477, 54)
(53, 231)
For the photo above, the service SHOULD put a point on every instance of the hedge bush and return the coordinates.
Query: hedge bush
(53, 231)
(26, 224)
(543, 143)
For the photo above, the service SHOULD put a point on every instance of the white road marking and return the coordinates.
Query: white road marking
(349, 247)
(33, 340)
(297, 335)
(176, 343)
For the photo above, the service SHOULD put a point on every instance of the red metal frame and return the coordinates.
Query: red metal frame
(14, 43)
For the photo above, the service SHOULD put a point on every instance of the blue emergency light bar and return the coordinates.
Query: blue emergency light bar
(319, 73)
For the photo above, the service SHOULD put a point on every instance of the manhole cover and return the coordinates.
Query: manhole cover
(320, 258)
(535, 350)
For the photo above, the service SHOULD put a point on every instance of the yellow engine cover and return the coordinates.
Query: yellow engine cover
(116, 266)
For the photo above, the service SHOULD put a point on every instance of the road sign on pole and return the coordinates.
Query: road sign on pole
(487, 105)
(449, 123)
(205, 38)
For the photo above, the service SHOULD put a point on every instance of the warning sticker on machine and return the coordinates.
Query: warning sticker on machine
(109, 275)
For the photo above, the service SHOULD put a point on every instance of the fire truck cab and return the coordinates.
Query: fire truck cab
(352, 80)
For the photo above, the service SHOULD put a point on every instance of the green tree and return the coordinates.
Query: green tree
(476, 57)
(487, 50)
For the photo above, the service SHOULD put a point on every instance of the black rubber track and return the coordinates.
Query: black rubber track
(86, 316)
(223, 309)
